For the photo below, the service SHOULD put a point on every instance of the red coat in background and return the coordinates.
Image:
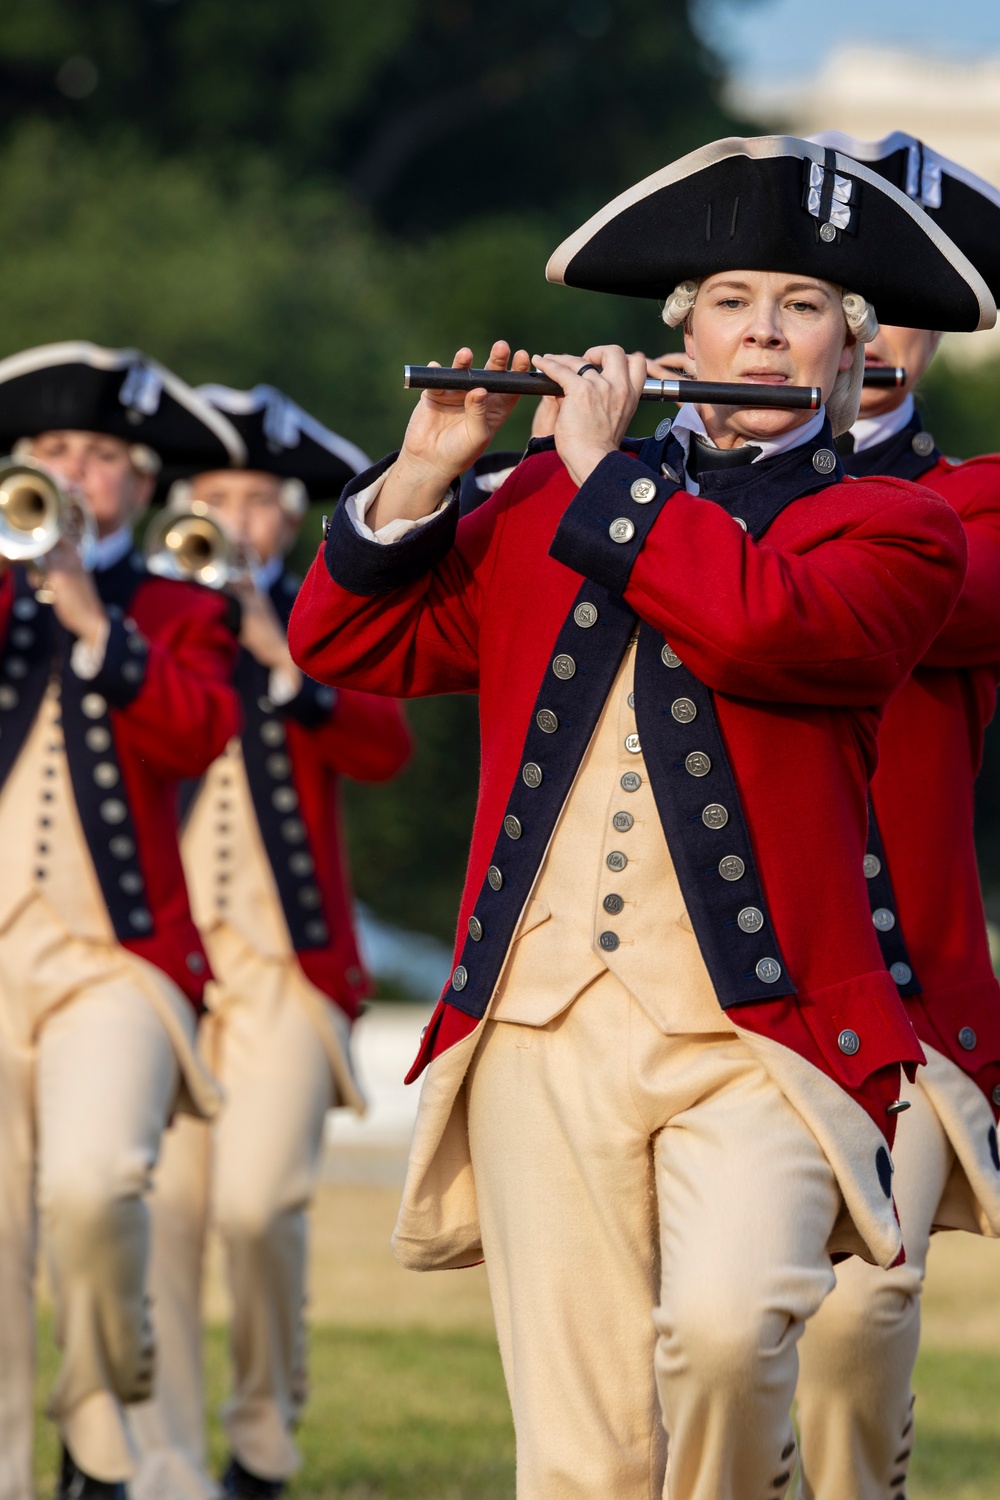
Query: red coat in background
(159, 711)
(930, 752)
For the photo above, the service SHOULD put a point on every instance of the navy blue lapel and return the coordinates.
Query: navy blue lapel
(897, 455)
(25, 663)
(269, 774)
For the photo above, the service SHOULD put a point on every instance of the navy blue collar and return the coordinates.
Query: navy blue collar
(756, 493)
(897, 455)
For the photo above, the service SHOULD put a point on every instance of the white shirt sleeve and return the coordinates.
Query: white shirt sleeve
(393, 531)
(282, 686)
(87, 661)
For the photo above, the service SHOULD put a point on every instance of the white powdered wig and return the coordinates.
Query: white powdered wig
(844, 401)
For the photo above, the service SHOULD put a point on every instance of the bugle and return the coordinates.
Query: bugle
(36, 513)
(190, 547)
(528, 383)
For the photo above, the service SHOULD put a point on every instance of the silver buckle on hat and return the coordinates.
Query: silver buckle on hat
(141, 390)
(923, 176)
(828, 198)
(281, 423)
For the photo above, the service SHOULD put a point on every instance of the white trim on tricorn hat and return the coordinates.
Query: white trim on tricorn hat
(134, 414)
(283, 439)
(777, 203)
(963, 205)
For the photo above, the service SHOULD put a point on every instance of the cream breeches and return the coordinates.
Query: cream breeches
(858, 1354)
(251, 1175)
(87, 1083)
(655, 1218)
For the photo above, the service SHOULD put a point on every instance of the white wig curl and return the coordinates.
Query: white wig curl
(844, 401)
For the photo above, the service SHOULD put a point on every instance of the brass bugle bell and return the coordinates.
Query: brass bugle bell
(189, 546)
(35, 513)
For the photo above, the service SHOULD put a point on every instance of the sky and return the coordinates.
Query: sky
(783, 40)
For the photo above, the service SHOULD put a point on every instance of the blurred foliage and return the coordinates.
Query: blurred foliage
(429, 111)
(313, 194)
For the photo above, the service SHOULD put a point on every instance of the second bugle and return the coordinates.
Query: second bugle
(528, 383)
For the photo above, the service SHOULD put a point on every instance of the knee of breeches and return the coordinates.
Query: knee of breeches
(248, 1219)
(720, 1341)
(93, 1205)
(865, 1312)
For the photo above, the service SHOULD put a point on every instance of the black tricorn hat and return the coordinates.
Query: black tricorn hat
(776, 203)
(965, 206)
(83, 387)
(282, 439)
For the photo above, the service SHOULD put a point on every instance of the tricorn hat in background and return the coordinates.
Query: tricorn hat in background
(84, 387)
(280, 438)
(965, 206)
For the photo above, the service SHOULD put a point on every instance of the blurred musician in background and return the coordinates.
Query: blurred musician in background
(109, 696)
(857, 1357)
(268, 875)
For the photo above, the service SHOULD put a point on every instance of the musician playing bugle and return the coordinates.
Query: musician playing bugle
(270, 892)
(661, 1086)
(109, 696)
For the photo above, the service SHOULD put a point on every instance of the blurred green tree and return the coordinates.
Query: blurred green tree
(431, 111)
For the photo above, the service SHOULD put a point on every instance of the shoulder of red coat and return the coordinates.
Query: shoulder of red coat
(870, 488)
(981, 462)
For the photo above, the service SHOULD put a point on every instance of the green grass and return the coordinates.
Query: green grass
(409, 1415)
(418, 1415)
(957, 1453)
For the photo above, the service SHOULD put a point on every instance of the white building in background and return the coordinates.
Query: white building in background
(870, 91)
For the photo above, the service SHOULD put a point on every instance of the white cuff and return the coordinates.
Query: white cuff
(393, 531)
(283, 684)
(87, 660)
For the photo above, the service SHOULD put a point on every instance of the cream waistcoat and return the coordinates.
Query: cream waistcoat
(229, 875)
(607, 896)
(44, 849)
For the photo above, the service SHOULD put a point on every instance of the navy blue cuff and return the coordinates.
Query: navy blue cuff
(365, 567)
(608, 520)
(312, 705)
(126, 658)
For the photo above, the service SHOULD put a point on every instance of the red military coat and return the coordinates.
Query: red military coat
(160, 710)
(295, 755)
(930, 751)
(770, 658)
